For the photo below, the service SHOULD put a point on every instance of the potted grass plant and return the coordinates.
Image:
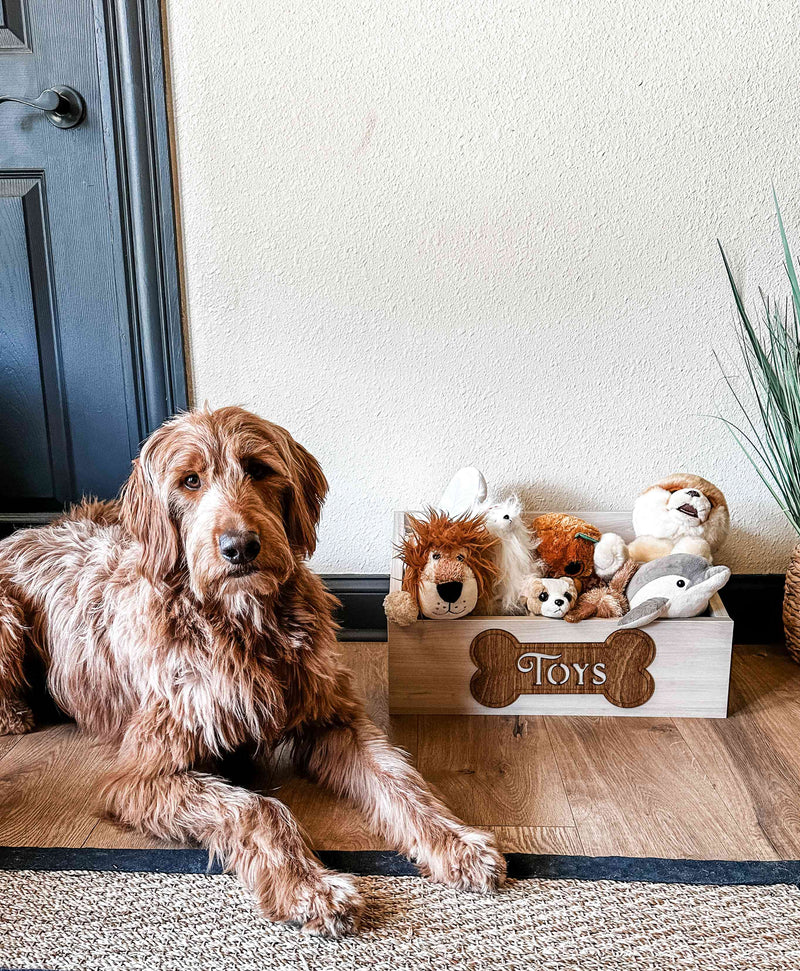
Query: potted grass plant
(767, 393)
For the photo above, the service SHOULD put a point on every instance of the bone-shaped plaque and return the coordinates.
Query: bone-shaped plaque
(616, 668)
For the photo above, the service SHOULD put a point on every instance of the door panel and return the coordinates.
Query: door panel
(33, 445)
(12, 26)
(72, 410)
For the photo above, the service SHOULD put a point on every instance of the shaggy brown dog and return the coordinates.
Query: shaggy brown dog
(184, 623)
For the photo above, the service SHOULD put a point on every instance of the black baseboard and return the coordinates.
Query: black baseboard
(521, 866)
(753, 600)
(361, 594)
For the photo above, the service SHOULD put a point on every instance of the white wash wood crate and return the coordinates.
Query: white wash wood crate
(430, 667)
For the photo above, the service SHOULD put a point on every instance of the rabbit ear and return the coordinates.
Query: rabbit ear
(464, 493)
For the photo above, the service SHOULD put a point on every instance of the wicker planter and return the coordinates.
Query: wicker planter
(791, 605)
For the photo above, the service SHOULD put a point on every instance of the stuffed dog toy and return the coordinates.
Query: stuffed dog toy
(548, 597)
(449, 567)
(681, 514)
(605, 599)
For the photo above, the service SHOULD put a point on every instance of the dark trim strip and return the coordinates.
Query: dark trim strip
(361, 595)
(141, 125)
(521, 866)
(754, 601)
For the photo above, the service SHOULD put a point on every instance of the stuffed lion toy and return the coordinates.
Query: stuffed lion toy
(449, 569)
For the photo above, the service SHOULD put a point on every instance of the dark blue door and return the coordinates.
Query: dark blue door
(71, 411)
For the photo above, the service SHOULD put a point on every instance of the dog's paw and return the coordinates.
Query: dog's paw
(15, 719)
(321, 902)
(469, 860)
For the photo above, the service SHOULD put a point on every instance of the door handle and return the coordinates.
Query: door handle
(62, 106)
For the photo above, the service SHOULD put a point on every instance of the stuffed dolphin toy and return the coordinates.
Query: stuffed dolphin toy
(679, 585)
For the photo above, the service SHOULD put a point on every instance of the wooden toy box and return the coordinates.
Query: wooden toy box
(540, 666)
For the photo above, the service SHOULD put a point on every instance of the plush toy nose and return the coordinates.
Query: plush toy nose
(559, 603)
(449, 592)
(572, 568)
(239, 547)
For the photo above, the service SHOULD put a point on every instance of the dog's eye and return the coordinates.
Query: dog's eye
(681, 583)
(506, 516)
(192, 481)
(544, 595)
(257, 470)
(460, 557)
(436, 556)
(568, 597)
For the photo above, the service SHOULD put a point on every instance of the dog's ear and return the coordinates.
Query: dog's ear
(145, 515)
(531, 589)
(304, 502)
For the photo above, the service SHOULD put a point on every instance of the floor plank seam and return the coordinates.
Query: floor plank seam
(563, 785)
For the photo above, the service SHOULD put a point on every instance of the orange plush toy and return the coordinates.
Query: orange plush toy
(449, 568)
(566, 545)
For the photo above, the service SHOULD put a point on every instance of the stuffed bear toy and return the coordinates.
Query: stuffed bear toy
(548, 597)
(566, 545)
(449, 568)
(681, 514)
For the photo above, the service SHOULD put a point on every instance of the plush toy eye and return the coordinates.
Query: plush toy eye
(460, 557)
(568, 597)
(544, 596)
(191, 481)
(506, 516)
(436, 556)
(681, 583)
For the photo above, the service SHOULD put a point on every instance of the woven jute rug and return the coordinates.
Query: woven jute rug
(64, 919)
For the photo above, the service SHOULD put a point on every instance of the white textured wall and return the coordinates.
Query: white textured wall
(465, 231)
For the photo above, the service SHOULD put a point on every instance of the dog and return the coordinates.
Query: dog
(182, 622)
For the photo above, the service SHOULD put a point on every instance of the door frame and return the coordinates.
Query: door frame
(138, 84)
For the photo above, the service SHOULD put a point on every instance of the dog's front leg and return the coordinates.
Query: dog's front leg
(356, 760)
(254, 835)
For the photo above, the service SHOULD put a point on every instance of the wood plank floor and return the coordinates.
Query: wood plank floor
(683, 788)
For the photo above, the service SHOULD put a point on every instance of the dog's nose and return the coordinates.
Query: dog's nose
(559, 603)
(239, 547)
(449, 592)
(574, 567)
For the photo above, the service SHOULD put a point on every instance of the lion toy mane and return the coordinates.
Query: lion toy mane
(449, 568)
(681, 514)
